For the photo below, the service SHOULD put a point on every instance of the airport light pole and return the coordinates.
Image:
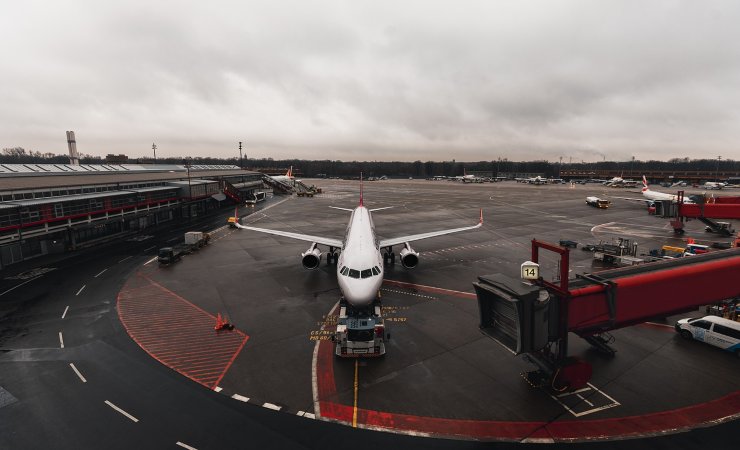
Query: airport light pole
(241, 161)
(154, 147)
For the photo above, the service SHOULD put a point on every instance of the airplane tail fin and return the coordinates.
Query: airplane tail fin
(644, 184)
(361, 189)
(289, 173)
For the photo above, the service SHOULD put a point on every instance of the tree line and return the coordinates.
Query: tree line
(416, 169)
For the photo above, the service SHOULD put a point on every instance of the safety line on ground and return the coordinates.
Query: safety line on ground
(77, 372)
(121, 411)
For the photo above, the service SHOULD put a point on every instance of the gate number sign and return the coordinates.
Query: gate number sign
(530, 270)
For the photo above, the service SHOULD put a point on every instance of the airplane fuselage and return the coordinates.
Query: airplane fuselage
(360, 265)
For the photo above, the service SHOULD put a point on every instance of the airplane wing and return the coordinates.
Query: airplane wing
(420, 236)
(336, 243)
(642, 200)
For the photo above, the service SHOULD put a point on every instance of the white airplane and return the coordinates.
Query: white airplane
(287, 178)
(714, 185)
(537, 180)
(465, 178)
(360, 263)
(652, 196)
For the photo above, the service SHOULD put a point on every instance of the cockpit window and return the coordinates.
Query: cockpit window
(354, 273)
(344, 271)
(376, 271)
(367, 273)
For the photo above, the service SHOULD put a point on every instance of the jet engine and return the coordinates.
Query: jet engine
(311, 258)
(409, 257)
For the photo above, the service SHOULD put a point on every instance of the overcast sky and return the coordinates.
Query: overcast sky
(374, 80)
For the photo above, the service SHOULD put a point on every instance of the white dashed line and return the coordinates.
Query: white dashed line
(150, 248)
(185, 446)
(101, 272)
(65, 311)
(121, 411)
(19, 285)
(305, 414)
(124, 259)
(218, 389)
(241, 398)
(81, 289)
(272, 406)
(151, 260)
(61, 340)
(77, 372)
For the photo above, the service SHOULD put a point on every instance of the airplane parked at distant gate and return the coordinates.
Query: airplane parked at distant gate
(287, 178)
(653, 196)
(360, 262)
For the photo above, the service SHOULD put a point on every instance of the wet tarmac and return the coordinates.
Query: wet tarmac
(440, 376)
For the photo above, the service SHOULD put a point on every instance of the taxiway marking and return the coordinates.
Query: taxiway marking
(354, 408)
(150, 248)
(124, 259)
(65, 311)
(77, 372)
(272, 406)
(121, 411)
(185, 446)
(218, 389)
(81, 289)
(19, 285)
(101, 272)
(151, 260)
(305, 414)
(61, 340)
(241, 398)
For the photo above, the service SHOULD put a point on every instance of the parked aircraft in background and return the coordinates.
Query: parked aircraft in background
(651, 196)
(714, 185)
(287, 178)
(536, 180)
(465, 178)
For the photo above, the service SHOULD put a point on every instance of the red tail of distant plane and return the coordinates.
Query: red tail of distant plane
(360, 188)
(644, 184)
(289, 173)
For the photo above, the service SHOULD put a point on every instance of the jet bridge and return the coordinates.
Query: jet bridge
(703, 209)
(534, 318)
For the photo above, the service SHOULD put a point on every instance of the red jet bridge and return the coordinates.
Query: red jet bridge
(535, 318)
(727, 207)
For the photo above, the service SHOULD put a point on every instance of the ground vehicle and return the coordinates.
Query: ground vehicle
(722, 227)
(597, 202)
(622, 253)
(717, 331)
(360, 333)
(193, 241)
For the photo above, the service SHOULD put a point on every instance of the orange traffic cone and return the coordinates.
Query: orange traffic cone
(219, 322)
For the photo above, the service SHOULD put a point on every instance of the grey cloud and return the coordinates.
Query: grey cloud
(410, 80)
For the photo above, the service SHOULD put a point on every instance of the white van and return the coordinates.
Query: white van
(717, 331)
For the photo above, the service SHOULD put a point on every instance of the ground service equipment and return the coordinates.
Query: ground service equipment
(193, 241)
(534, 318)
(360, 331)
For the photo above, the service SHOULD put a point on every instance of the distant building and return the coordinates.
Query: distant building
(116, 159)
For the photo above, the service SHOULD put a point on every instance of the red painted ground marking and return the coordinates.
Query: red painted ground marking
(713, 411)
(177, 333)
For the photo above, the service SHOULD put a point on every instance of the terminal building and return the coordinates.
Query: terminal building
(53, 208)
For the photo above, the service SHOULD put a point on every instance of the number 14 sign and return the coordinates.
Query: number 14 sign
(530, 270)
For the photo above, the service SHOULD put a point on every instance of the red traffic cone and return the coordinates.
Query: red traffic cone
(219, 322)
